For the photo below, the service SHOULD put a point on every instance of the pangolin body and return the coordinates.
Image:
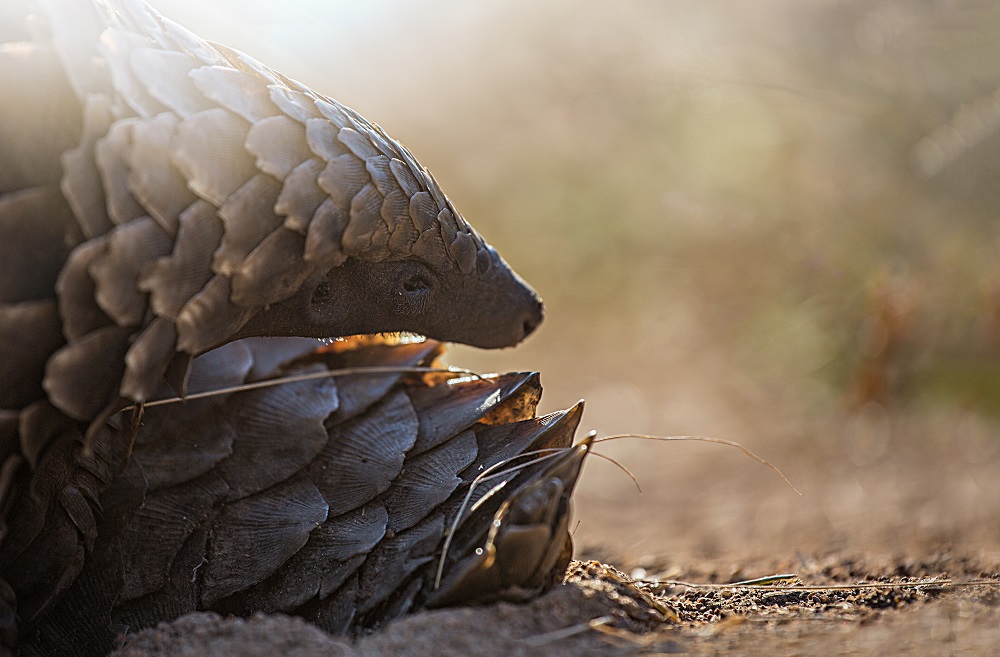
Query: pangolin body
(161, 196)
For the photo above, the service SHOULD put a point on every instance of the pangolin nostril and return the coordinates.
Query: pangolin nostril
(534, 317)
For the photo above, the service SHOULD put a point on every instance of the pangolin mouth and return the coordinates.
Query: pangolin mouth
(401, 337)
(391, 338)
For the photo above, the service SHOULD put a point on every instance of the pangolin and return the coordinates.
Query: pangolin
(162, 196)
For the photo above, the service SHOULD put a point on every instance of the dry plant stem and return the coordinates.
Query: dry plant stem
(624, 635)
(705, 439)
(566, 632)
(937, 583)
(492, 473)
(621, 466)
(767, 580)
(487, 475)
(347, 371)
(137, 412)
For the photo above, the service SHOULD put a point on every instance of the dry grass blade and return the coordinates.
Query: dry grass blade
(566, 632)
(490, 473)
(705, 439)
(346, 371)
(766, 583)
(621, 466)
(767, 580)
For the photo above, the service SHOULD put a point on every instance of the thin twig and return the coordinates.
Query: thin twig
(769, 579)
(537, 456)
(947, 583)
(296, 378)
(620, 466)
(566, 632)
(704, 439)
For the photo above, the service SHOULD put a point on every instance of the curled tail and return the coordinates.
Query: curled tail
(347, 500)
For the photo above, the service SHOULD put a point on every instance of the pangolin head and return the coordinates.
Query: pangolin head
(392, 254)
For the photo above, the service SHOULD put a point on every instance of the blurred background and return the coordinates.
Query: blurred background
(771, 222)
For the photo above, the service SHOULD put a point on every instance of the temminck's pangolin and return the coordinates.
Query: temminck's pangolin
(161, 196)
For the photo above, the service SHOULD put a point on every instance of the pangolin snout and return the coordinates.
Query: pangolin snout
(533, 316)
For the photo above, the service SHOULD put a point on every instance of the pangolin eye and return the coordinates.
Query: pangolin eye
(416, 284)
